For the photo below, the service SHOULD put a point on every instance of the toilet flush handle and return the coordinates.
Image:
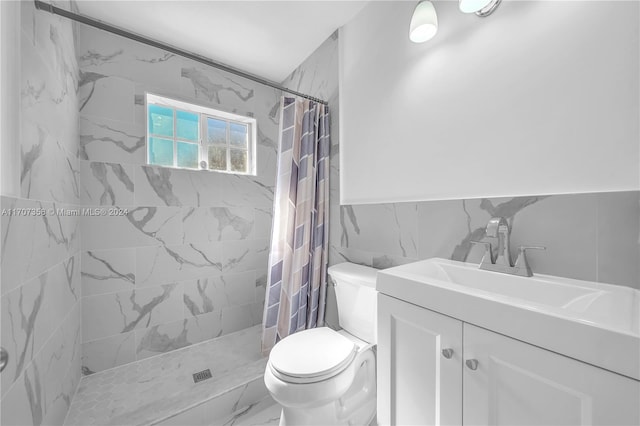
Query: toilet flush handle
(447, 353)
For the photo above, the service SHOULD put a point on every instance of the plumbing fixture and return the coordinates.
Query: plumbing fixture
(500, 261)
(4, 359)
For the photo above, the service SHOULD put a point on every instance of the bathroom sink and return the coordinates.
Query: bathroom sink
(544, 290)
(594, 322)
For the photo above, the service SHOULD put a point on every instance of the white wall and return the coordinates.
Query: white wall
(539, 98)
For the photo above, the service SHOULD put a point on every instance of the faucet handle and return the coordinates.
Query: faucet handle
(487, 252)
(494, 225)
(521, 262)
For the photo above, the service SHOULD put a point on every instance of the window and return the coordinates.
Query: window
(190, 136)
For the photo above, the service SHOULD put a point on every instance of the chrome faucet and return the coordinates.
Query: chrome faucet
(498, 228)
(4, 359)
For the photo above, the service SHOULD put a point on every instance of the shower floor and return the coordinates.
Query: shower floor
(161, 390)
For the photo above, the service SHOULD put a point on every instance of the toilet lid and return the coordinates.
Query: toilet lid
(312, 355)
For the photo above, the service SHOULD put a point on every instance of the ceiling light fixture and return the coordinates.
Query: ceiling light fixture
(481, 8)
(424, 22)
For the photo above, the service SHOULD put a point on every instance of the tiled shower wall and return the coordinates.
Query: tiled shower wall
(187, 260)
(588, 236)
(41, 324)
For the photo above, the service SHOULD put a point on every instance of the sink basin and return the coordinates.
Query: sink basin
(539, 289)
(594, 322)
(617, 309)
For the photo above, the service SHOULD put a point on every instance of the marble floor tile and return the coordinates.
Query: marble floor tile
(266, 412)
(148, 391)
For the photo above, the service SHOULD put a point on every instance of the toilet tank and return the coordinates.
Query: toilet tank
(355, 287)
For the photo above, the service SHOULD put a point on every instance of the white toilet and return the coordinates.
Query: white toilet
(326, 377)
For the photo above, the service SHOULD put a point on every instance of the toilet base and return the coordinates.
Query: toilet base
(357, 406)
(325, 415)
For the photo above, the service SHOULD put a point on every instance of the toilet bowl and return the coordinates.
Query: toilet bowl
(325, 377)
(337, 390)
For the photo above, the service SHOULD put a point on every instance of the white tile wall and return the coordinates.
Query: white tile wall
(184, 228)
(41, 282)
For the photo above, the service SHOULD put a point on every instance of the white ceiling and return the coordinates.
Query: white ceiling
(266, 38)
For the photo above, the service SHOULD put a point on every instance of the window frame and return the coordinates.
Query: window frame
(203, 113)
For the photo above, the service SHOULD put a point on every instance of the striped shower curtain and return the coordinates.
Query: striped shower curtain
(296, 281)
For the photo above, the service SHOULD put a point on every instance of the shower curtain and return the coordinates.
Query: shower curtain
(296, 279)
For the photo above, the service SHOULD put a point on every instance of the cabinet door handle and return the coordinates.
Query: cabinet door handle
(472, 364)
(447, 353)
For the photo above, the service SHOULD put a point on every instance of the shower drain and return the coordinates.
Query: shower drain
(201, 375)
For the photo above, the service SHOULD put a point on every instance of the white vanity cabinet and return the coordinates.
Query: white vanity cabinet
(417, 383)
(517, 383)
(512, 382)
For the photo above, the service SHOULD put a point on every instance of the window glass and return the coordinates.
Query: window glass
(184, 135)
(187, 125)
(161, 151)
(217, 158)
(238, 160)
(160, 120)
(188, 155)
(216, 131)
(238, 135)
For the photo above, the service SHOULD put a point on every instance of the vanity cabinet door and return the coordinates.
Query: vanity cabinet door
(418, 383)
(515, 383)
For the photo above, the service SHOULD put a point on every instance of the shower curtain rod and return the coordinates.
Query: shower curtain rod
(41, 5)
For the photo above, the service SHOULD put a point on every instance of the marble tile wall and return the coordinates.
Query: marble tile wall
(588, 236)
(184, 257)
(40, 289)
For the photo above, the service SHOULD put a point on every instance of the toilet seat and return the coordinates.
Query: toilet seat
(311, 356)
